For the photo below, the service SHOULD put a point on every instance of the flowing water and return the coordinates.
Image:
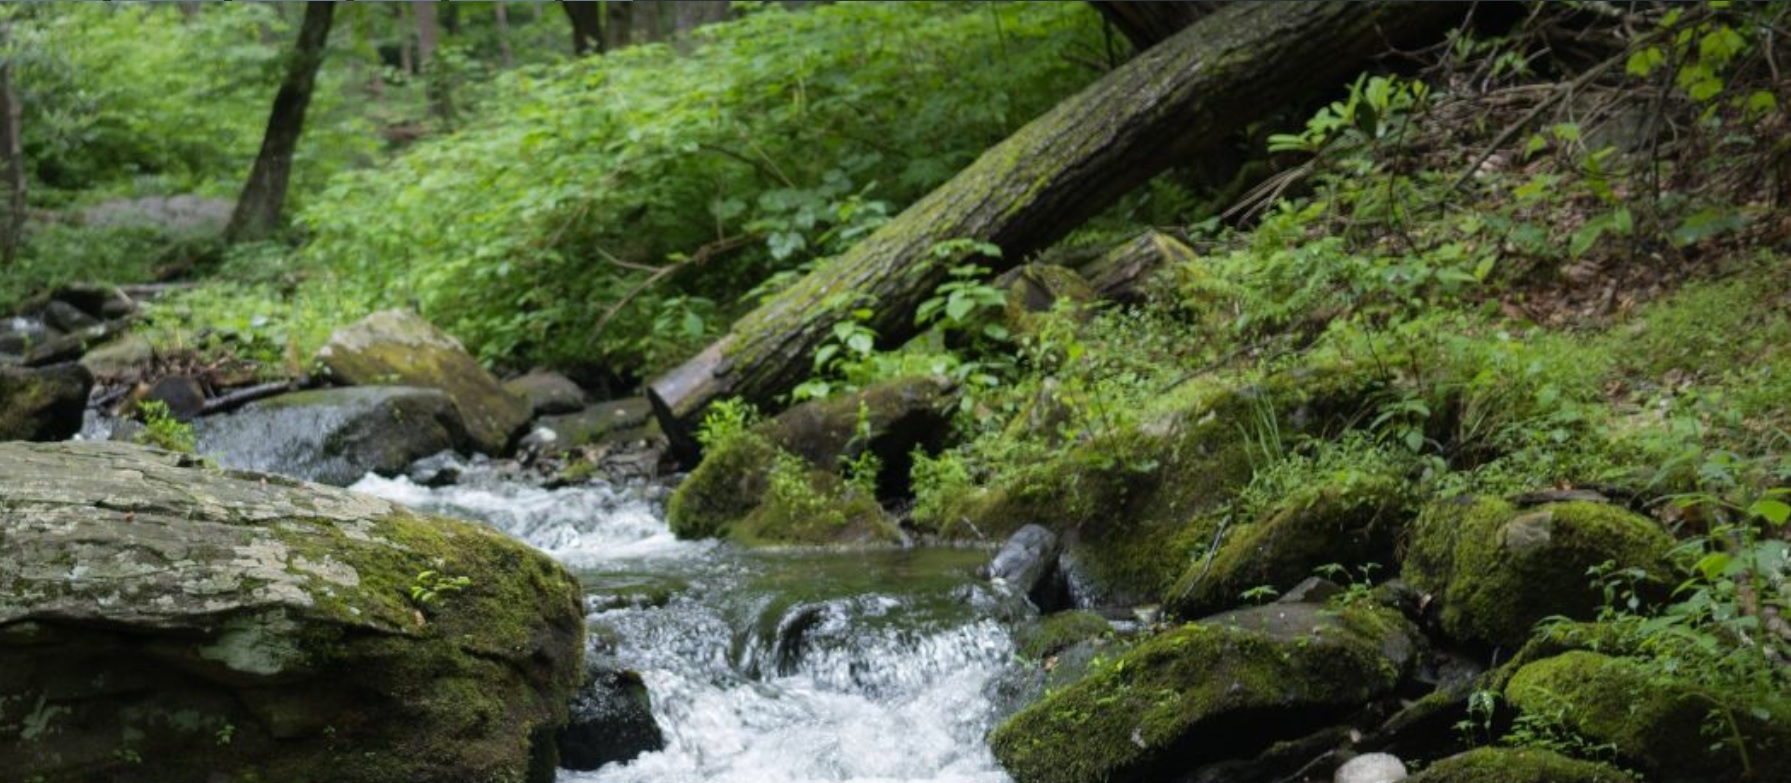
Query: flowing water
(766, 667)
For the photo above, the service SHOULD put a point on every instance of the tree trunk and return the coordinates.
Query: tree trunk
(506, 57)
(1235, 66)
(618, 30)
(688, 15)
(1120, 273)
(405, 63)
(1148, 24)
(12, 227)
(428, 32)
(257, 214)
(587, 27)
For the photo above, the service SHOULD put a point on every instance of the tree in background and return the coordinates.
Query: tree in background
(257, 213)
(12, 224)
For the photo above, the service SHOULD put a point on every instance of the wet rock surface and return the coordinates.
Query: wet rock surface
(334, 436)
(44, 403)
(161, 620)
(398, 348)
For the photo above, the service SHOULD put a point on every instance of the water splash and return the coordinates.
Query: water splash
(781, 667)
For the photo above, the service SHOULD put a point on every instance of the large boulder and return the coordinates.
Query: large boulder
(334, 436)
(1497, 569)
(162, 620)
(1658, 721)
(1353, 525)
(1225, 687)
(768, 483)
(44, 403)
(399, 348)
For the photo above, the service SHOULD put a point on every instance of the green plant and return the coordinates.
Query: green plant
(162, 430)
(1260, 594)
(726, 420)
(430, 586)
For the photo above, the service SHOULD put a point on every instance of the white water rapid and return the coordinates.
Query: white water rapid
(768, 667)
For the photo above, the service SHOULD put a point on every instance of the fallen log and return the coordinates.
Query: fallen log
(1228, 69)
(1120, 273)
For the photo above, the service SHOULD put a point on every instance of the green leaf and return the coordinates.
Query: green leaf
(959, 307)
(1773, 511)
(1645, 60)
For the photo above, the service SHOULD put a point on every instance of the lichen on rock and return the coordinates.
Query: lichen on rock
(185, 621)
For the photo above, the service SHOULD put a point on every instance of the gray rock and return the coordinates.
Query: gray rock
(547, 393)
(334, 436)
(399, 348)
(65, 317)
(1371, 768)
(43, 403)
(161, 620)
(1026, 561)
(123, 357)
(599, 423)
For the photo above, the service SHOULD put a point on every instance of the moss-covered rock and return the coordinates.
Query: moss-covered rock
(1351, 525)
(1498, 570)
(334, 436)
(1667, 726)
(889, 419)
(726, 487)
(43, 403)
(547, 393)
(160, 620)
(1206, 691)
(1033, 289)
(1136, 505)
(1517, 765)
(1058, 630)
(782, 481)
(398, 348)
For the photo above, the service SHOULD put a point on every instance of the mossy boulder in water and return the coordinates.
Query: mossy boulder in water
(1350, 525)
(781, 481)
(547, 393)
(334, 436)
(1665, 725)
(161, 620)
(44, 403)
(398, 348)
(1498, 569)
(1221, 688)
(1517, 765)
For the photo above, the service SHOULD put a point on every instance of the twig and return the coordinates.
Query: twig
(702, 254)
(1530, 116)
(228, 402)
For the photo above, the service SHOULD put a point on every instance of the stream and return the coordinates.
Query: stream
(769, 666)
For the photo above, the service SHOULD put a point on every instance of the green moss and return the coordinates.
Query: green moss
(1349, 525)
(1058, 630)
(1665, 725)
(1517, 765)
(807, 505)
(725, 488)
(1189, 694)
(1499, 571)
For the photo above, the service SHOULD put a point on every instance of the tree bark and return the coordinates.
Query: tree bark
(428, 32)
(587, 27)
(1148, 24)
(1120, 273)
(618, 25)
(1231, 68)
(12, 228)
(257, 213)
(506, 57)
(688, 15)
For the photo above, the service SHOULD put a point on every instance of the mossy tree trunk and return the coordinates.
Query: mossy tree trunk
(257, 213)
(1230, 68)
(12, 225)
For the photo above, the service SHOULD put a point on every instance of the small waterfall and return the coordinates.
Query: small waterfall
(768, 667)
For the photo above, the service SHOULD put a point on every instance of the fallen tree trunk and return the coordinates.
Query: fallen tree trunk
(1228, 69)
(1120, 273)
